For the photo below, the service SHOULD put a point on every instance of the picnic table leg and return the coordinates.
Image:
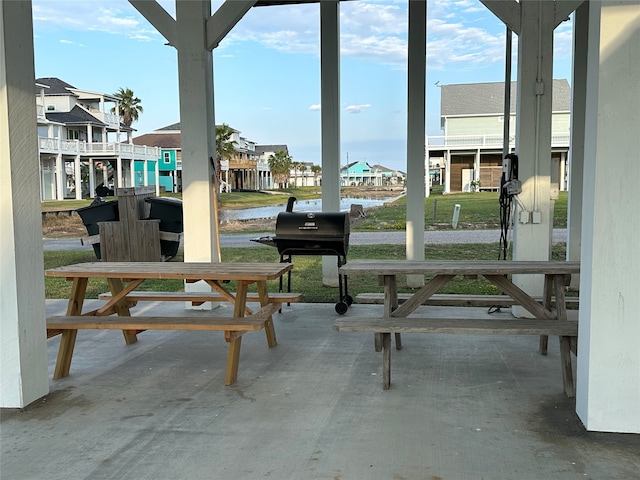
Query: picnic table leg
(268, 326)
(233, 358)
(546, 302)
(122, 309)
(390, 304)
(567, 368)
(392, 286)
(68, 337)
(386, 360)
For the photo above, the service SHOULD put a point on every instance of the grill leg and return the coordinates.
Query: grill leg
(287, 260)
(344, 301)
(341, 297)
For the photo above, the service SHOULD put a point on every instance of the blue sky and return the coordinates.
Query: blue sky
(267, 71)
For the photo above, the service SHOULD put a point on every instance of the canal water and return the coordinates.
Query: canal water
(272, 211)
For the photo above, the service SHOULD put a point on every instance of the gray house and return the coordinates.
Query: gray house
(469, 154)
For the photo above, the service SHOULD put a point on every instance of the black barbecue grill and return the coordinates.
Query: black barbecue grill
(313, 233)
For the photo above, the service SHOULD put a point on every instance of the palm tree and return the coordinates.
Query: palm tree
(225, 149)
(297, 167)
(280, 166)
(316, 169)
(129, 107)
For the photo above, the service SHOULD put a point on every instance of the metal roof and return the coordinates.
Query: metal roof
(260, 149)
(488, 98)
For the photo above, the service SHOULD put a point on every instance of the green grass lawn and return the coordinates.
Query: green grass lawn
(307, 271)
(477, 210)
(227, 200)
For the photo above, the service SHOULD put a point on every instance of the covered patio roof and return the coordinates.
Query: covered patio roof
(604, 172)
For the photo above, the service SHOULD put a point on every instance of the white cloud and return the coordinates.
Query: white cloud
(462, 34)
(315, 107)
(117, 18)
(70, 42)
(357, 108)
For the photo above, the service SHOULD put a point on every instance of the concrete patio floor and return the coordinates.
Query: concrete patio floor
(460, 407)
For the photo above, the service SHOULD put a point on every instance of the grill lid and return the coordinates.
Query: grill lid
(297, 225)
(299, 233)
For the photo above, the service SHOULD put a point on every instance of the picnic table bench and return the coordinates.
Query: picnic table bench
(460, 300)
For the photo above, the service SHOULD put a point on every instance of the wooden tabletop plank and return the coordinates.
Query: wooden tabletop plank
(459, 267)
(173, 270)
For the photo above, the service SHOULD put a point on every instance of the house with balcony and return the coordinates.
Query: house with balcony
(360, 173)
(240, 172)
(469, 154)
(80, 144)
(248, 169)
(305, 174)
(263, 152)
(167, 141)
(390, 177)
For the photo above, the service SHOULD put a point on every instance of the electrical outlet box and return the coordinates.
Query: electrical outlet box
(514, 187)
(536, 217)
(524, 216)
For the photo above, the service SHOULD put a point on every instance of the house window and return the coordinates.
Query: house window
(167, 157)
(73, 134)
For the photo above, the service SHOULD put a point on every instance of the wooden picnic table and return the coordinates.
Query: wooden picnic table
(443, 271)
(124, 277)
(499, 273)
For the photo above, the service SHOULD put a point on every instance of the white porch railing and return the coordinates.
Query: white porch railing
(111, 119)
(77, 147)
(484, 141)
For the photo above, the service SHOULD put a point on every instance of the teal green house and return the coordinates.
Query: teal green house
(358, 174)
(170, 161)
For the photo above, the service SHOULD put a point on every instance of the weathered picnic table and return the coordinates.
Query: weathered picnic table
(549, 316)
(123, 279)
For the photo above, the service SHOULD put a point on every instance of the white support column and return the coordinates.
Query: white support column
(330, 99)
(132, 173)
(416, 129)
(105, 173)
(563, 172)
(608, 380)
(23, 348)
(61, 177)
(447, 173)
(195, 71)
(78, 177)
(118, 183)
(92, 179)
(576, 151)
(476, 166)
(533, 144)
(145, 172)
(157, 172)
